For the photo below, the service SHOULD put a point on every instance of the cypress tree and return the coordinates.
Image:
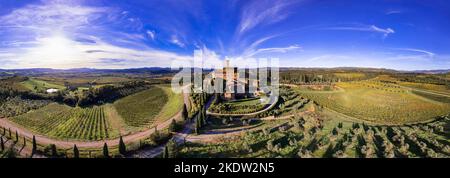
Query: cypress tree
(105, 151)
(204, 115)
(122, 147)
(10, 135)
(184, 113)
(24, 141)
(166, 152)
(172, 126)
(33, 151)
(53, 149)
(17, 136)
(200, 118)
(197, 125)
(2, 145)
(76, 153)
(172, 149)
(4, 131)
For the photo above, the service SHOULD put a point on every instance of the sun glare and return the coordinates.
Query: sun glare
(54, 51)
(57, 46)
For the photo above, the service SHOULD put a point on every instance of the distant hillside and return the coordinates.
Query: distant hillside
(161, 70)
(441, 71)
(342, 69)
(40, 71)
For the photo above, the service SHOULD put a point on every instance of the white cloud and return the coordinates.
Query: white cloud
(366, 28)
(57, 34)
(174, 39)
(50, 17)
(427, 53)
(151, 34)
(262, 12)
(272, 50)
(390, 12)
(60, 52)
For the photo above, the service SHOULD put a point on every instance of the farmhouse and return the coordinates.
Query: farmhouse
(52, 90)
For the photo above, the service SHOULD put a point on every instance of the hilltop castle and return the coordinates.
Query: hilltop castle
(236, 86)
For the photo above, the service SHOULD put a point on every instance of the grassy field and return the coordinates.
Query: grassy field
(40, 85)
(64, 122)
(144, 108)
(379, 102)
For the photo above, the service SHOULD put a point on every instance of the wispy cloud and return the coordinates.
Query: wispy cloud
(427, 53)
(151, 34)
(263, 13)
(175, 40)
(389, 12)
(58, 34)
(51, 17)
(366, 28)
(272, 50)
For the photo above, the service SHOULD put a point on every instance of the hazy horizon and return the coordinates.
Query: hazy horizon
(64, 34)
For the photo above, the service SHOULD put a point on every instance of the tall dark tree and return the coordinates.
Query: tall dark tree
(105, 151)
(17, 136)
(76, 153)
(24, 141)
(33, 150)
(204, 116)
(2, 145)
(166, 152)
(53, 150)
(4, 131)
(122, 146)
(10, 134)
(172, 149)
(173, 126)
(184, 113)
(197, 124)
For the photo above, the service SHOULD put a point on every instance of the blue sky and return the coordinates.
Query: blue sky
(405, 35)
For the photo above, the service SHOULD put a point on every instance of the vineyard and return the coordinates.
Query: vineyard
(289, 102)
(64, 122)
(312, 136)
(13, 106)
(378, 102)
(141, 109)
